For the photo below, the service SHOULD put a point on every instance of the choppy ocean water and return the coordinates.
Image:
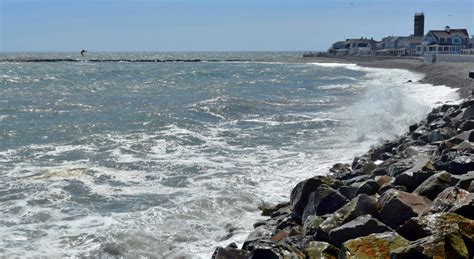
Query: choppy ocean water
(162, 159)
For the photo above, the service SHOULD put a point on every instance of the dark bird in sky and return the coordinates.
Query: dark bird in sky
(83, 51)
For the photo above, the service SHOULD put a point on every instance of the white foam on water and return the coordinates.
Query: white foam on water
(193, 183)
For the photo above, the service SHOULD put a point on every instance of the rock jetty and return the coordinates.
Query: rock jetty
(407, 198)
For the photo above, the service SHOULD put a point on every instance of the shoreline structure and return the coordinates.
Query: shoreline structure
(411, 197)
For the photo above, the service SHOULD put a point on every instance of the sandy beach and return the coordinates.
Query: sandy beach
(452, 74)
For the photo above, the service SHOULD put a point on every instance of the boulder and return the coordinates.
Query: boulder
(311, 225)
(376, 245)
(369, 187)
(435, 184)
(383, 179)
(268, 210)
(439, 123)
(275, 250)
(340, 169)
(437, 224)
(259, 234)
(333, 221)
(359, 206)
(461, 164)
(468, 113)
(318, 249)
(464, 181)
(395, 207)
(300, 194)
(361, 226)
(355, 179)
(230, 252)
(466, 125)
(440, 134)
(400, 166)
(451, 199)
(322, 201)
(390, 186)
(412, 179)
(450, 246)
(467, 103)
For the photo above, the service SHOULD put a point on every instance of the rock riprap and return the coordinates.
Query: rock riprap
(412, 197)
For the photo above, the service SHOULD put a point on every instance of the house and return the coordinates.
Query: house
(339, 48)
(393, 46)
(447, 41)
(413, 42)
(357, 47)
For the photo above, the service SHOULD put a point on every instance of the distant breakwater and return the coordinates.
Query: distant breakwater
(412, 197)
(52, 60)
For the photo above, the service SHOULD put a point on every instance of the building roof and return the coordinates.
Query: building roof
(445, 34)
(416, 39)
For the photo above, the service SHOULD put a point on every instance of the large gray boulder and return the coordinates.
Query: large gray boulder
(322, 201)
(230, 252)
(435, 184)
(395, 207)
(359, 206)
(300, 194)
(360, 226)
(412, 179)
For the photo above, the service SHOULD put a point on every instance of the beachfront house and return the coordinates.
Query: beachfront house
(393, 46)
(447, 41)
(354, 47)
(413, 42)
(339, 48)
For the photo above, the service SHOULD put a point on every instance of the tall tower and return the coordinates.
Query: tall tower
(419, 24)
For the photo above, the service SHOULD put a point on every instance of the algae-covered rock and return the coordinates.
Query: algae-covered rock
(437, 224)
(312, 224)
(318, 250)
(437, 246)
(376, 245)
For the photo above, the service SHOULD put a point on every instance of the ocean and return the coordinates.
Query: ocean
(163, 160)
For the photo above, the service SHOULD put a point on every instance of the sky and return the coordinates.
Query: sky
(214, 25)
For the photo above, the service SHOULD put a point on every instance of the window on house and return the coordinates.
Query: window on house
(418, 48)
(424, 48)
(449, 40)
(442, 40)
(432, 48)
(440, 48)
(446, 49)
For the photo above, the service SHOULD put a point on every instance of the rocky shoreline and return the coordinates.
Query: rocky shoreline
(412, 197)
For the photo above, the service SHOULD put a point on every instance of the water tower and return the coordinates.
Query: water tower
(419, 24)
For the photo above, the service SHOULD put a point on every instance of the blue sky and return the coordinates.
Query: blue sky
(214, 25)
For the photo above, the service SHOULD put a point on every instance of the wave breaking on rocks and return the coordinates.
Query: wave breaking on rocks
(407, 198)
